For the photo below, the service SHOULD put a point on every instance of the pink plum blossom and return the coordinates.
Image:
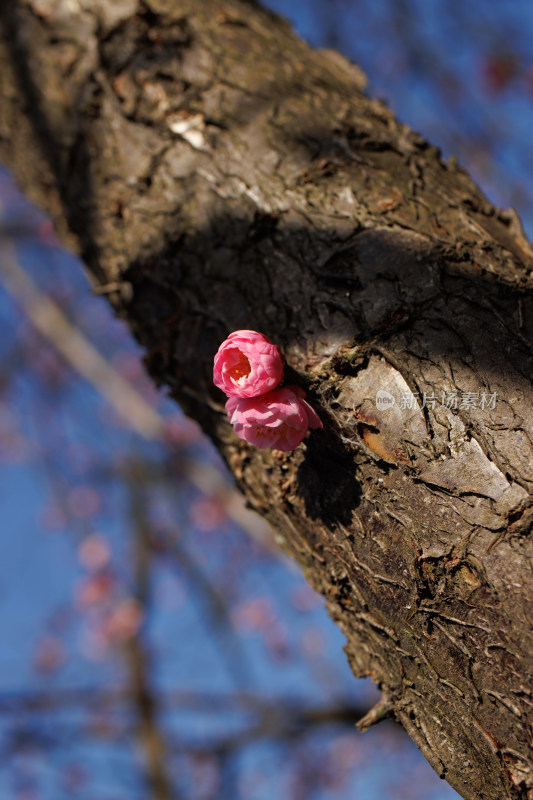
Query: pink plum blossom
(247, 364)
(279, 419)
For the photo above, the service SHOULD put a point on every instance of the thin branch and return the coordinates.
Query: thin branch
(149, 728)
(382, 710)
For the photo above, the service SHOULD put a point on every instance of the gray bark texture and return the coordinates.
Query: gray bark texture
(215, 173)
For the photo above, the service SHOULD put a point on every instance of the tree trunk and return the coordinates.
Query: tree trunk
(215, 173)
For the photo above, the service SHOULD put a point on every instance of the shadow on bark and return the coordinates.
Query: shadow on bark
(327, 480)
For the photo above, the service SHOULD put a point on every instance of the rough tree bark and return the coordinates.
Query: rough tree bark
(216, 173)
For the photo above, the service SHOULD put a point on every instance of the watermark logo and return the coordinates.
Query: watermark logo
(453, 400)
(384, 400)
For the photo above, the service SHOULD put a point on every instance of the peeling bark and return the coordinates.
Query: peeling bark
(216, 173)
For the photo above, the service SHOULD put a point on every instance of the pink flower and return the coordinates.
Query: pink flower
(247, 364)
(279, 419)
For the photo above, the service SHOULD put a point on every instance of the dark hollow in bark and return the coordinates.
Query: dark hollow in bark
(215, 173)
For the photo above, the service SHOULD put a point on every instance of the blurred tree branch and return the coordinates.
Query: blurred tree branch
(81, 355)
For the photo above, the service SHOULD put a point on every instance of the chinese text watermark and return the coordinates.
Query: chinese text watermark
(453, 400)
